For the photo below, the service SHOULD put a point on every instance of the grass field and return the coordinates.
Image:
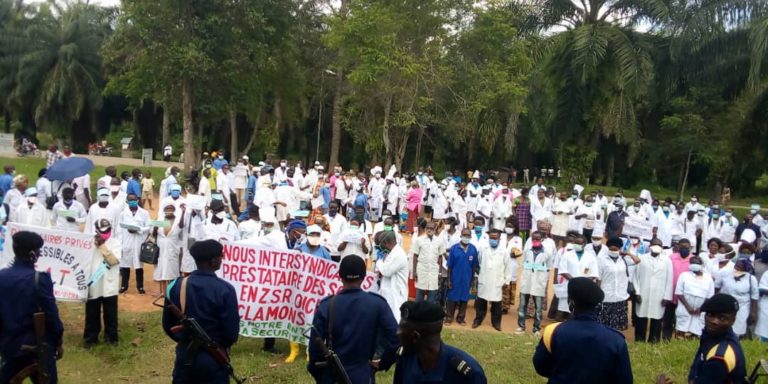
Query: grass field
(145, 355)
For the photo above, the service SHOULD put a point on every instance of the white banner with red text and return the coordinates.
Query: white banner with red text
(278, 290)
(65, 255)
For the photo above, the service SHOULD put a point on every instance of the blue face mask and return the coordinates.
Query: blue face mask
(133, 204)
(494, 243)
(684, 252)
(478, 228)
(175, 194)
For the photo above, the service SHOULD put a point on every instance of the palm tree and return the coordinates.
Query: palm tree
(58, 72)
(597, 68)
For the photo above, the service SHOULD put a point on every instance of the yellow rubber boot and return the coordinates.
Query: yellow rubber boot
(294, 353)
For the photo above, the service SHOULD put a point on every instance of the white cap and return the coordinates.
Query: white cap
(245, 157)
(102, 192)
(476, 175)
(314, 229)
(267, 215)
(31, 191)
(176, 187)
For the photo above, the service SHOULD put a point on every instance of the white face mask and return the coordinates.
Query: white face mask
(613, 254)
(32, 199)
(597, 243)
(656, 249)
(221, 215)
(103, 198)
(509, 230)
(313, 240)
(695, 268)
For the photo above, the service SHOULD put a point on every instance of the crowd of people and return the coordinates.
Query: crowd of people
(460, 237)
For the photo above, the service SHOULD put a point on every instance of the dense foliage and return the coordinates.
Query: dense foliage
(622, 92)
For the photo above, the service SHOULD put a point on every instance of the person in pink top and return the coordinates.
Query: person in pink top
(681, 262)
(413, 199)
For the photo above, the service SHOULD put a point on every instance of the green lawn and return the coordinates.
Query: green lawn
(31, 166)
(145, 355)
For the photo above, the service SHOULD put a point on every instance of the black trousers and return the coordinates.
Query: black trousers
(481, 308)
(125, 278)
(642, 325)
(95, 310)
(234, 204)
(269, 343)
(668, 322)
(451, 307)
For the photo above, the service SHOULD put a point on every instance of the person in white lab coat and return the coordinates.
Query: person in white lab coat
(574, 263)
(218, 227)
(537, 260)
(204, 187)
(250, 228)
(68, 213)
(103, 288)
(104, 208)
(495, 263)
(541, 209)
(337, 226)
(614, 280)
(728, 229)
(376, 190)
(169, 240)
(743, 286)
(355, 241)
(15, 196)
(165, 185)
(761, 329)
(392, 272)
(31, 212)
(663, 224)
(502, 209)
(427, 253)
(653, 287)
(134, 222)
(174, 198)
(82, 186)
(693, 288)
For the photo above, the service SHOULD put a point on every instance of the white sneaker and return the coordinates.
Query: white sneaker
(519, 331)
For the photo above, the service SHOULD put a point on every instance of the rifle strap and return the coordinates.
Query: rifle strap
(183, 295)
(330, 321)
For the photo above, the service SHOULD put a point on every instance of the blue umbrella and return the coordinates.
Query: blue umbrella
(69, 168)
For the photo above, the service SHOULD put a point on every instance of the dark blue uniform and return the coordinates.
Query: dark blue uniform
(560, 354)
(18, 301)
(718, 360)
(363, 325)
(453, 366)
(213, 303)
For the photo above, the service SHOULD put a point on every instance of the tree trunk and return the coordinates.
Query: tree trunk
(278, 118)
(254, 134)
(233, 144)
(7, 121)
(418, 146)
(385, 134)
(336, 124)
(685, 175)
(611, 169)
(186, 110)
(166, 126)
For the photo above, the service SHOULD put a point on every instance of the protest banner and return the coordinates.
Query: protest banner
(65, 255)
(278, 290)
(641, 228)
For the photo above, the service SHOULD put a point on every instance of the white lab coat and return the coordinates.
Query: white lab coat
(249, 229)
(109, 284)
(132, 241)
(728, 230)
(761, 329)
(561, 211)
(391, 194)
(338, 225)
(394, 279)
(695, 289)
(427, 265)
(439, 205)
(204, 189)
(502, 209)
(168, 262)
(664, 227)
(570, 263)
(744, 290)
(37, 215)
(111, 212)
(190, 226)
(376, 203)
(224, 231)
(540, 210)
(165, 187)
(535, 276)
(61, 222)
(653, 283)
(494, 271)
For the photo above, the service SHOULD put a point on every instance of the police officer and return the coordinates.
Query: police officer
(720, 358)
(557, 356)
(357, 325)
(24, 292)
(424, 357)
(213, 303)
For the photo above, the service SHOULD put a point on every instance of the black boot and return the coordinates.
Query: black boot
(140, 280)
(125, 278)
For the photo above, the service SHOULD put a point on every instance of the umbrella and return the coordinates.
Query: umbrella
(68, 169)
